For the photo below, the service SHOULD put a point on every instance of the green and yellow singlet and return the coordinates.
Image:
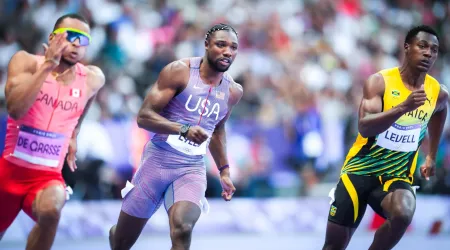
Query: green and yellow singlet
(394, 152)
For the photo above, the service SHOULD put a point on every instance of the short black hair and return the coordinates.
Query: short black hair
(414, 31)
(217, 27)
(70, 15)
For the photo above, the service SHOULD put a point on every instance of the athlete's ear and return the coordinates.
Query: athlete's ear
(406, 47)
(206, 44)
(51, 36)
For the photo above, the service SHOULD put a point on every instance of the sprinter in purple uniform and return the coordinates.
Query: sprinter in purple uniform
(187, 109)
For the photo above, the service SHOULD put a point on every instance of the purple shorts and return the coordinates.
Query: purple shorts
(164, 176)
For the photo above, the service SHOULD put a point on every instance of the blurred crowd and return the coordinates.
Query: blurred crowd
(302, 64)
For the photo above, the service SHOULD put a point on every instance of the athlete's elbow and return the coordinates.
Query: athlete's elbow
(219, 130)
(364, 134)
(14, 112)
(142, 120)
(363, 130)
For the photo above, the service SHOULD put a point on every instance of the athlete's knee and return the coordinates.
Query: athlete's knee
(48, 205)
(112, 231)
(329, 246)
(181, 230)
(335, 244)
(401, 216)
(401, 209)
(48, 214)
(119, 241)
(332, 247)
(337, 236)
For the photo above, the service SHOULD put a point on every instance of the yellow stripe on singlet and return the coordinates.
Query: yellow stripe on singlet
(353, 195)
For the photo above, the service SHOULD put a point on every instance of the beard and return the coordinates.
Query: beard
(215, 65)
(67, 62)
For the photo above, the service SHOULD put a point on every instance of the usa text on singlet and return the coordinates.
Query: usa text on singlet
(198, 104)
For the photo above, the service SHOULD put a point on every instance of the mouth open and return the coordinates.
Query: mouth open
(225, 61)
(425, 63)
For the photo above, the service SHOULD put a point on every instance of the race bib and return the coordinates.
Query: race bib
(186, 146)
(39, 147)
(400, 138)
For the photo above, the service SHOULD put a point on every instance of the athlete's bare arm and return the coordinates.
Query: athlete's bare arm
(217, 146)
(24, 81)
(25, 78)
(172, 79)
(95, 81)
(437, 121)
(372, 120)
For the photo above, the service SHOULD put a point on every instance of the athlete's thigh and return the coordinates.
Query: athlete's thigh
(183, 215)
(347, 210)
(9, 209)
(127, 231)
(188, 187)
(350, 200)
(141, 199)
(11, 195)
(392, 194)
(144, 195)
(45, 195)
(337, 236)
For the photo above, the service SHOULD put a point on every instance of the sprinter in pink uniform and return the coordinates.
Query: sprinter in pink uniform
(46, 97)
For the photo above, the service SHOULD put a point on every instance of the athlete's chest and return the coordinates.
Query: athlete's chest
(209, 103)
(405, 134)
(420, 115)
(66, 100)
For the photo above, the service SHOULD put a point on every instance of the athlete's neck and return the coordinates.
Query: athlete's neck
(63, 69)
(411, 77)
(209, 75)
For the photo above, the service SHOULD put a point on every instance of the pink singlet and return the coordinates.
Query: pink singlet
(37, 143)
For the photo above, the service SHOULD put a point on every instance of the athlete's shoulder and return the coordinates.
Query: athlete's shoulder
(178, 66)
(443, 98)
(174, 74)
(438, 89)
(25, 55)
(236, 91)
(389, 71)
(444, 91)
(433, 80)
(96, 77)
(375, 85)
(376, 80)
(234, 86)
(237, 87)
(376, 77)
(25, 60)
